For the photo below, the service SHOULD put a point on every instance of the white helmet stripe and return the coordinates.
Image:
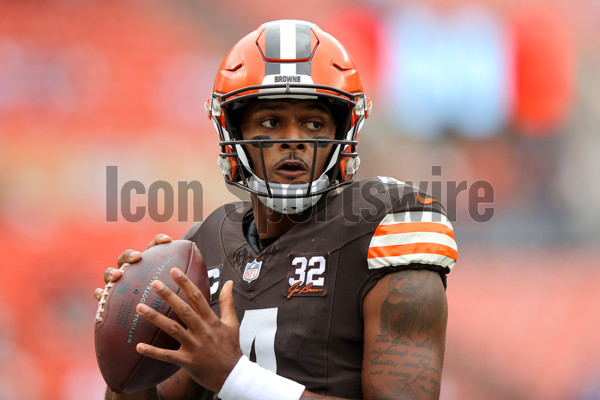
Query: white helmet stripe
(287, 40)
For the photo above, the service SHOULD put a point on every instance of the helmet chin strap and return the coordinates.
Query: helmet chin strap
(288, 198)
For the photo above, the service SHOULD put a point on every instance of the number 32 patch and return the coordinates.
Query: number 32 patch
(307, 275)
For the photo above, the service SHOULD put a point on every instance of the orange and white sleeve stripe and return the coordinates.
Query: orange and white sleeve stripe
(419, 237)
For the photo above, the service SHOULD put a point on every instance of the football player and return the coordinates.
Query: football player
(321, 286)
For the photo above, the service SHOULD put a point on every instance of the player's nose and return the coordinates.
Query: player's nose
(292, 132)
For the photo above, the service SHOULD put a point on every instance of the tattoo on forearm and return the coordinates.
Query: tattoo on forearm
(192, 391)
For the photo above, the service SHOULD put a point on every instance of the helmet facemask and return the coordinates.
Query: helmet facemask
(287, 198)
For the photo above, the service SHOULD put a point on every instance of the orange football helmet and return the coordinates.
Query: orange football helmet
(296, 60)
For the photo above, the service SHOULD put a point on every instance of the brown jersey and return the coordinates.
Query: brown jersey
(299, 301)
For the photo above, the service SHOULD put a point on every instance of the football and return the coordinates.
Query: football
(119, 328)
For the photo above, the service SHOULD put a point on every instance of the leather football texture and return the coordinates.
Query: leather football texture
(119, 328)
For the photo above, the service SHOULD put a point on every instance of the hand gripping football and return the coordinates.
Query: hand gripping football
(119, 328)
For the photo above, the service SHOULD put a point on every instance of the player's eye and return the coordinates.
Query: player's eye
(269, 123)
(314, 125)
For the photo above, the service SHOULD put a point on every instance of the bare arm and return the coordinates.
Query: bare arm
(405, 332)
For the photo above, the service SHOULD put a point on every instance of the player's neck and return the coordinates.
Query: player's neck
(269, 223)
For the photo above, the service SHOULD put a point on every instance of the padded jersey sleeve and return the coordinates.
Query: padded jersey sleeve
(413, 234)
(413, 237)
(192, 231)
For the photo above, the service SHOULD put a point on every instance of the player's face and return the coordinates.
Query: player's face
(281, 119)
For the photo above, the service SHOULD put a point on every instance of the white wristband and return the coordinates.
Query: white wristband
(249, 381)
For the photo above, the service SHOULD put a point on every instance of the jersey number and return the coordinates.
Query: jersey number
(304, 276)
(258, 329)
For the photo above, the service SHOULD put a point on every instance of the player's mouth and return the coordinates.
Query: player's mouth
(291, 169)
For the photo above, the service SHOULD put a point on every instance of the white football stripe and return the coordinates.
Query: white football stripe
(411, 238)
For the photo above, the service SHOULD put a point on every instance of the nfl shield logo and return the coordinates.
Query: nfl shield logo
(252, 270)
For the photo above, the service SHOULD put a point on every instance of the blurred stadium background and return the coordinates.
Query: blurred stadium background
(506, 92)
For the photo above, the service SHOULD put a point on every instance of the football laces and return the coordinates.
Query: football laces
(102, 302)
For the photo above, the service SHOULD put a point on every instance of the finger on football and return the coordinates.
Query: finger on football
(157, 353)
(128, 256)
(98, 293)
(166, 324)
(195, 296)
(112, 274)
(228, 315)
(159, 239)
(184, 311)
